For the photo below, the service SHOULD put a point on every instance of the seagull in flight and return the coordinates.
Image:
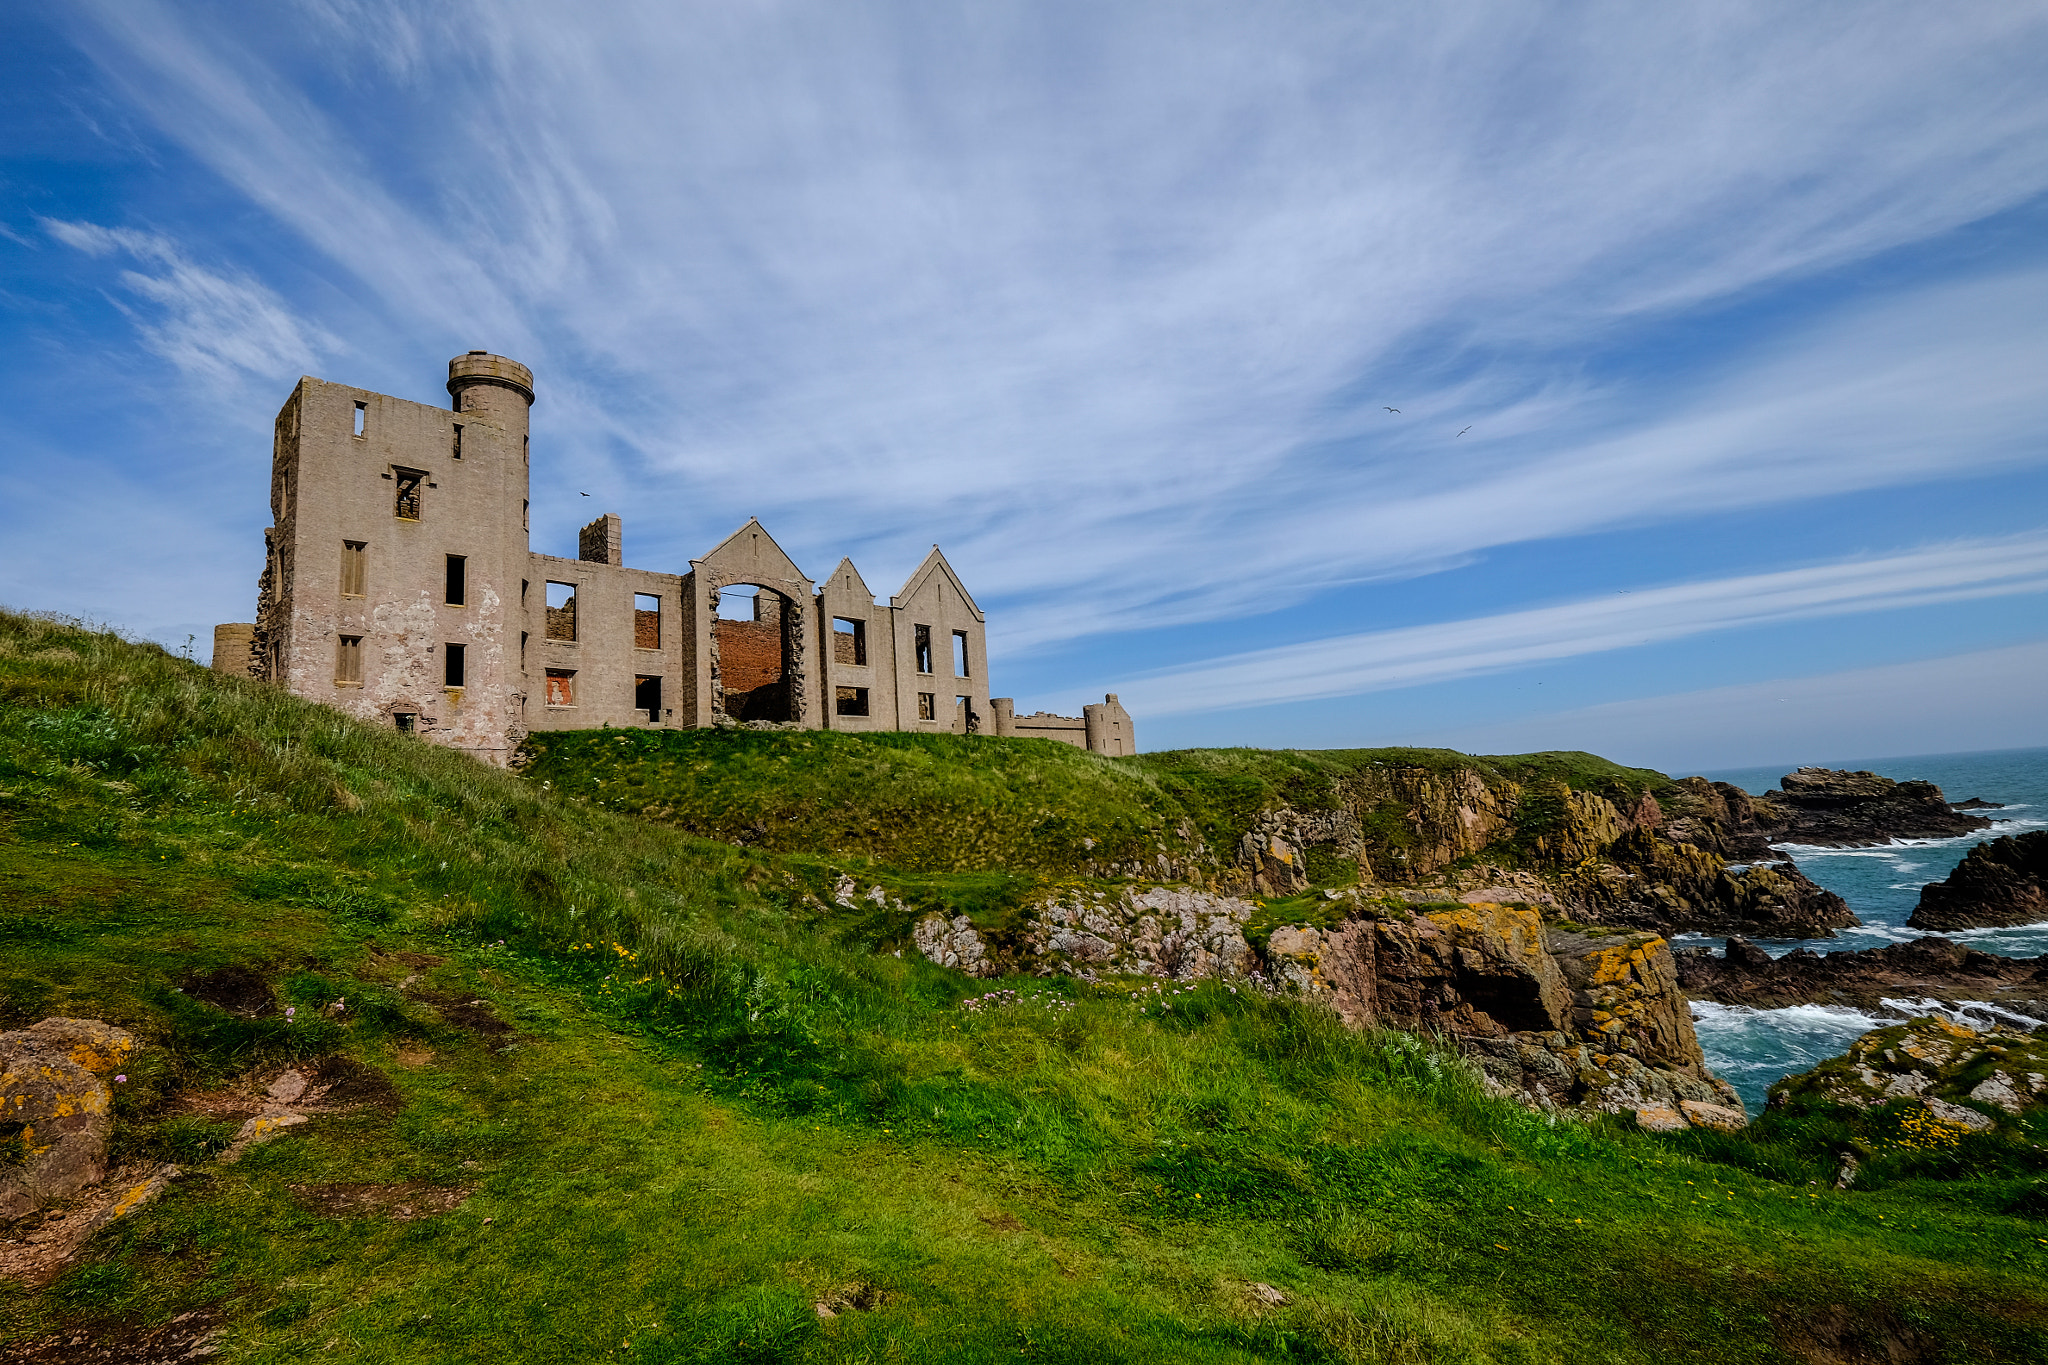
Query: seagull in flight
(1461, 433)
(1390, 409)
(583, 495)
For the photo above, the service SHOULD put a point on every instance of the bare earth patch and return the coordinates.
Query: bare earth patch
(401, 1203)
(190, 1336)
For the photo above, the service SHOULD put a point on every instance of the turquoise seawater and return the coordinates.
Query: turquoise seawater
(1752, 1047)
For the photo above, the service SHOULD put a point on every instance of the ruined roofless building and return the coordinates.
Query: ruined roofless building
(398, 586)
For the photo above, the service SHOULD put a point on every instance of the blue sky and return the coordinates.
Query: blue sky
(1718, 333)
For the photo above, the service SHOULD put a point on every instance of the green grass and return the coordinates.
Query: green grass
(724, 1099)
(946, 803)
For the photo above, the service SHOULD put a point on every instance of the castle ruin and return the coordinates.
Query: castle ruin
(399, 587)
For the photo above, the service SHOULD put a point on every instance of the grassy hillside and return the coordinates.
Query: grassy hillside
(687, 1109)
(950, 803)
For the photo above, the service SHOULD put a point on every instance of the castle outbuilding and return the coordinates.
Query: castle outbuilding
(398, 586)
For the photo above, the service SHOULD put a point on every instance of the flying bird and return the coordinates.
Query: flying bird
(1461, 433)
(583, 495)
(1390, 409)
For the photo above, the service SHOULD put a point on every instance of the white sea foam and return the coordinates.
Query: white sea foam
(1975, 1013)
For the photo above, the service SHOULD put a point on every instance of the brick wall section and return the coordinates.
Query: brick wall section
(749, 654)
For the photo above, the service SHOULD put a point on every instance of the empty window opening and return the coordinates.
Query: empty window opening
(524, 505)
(927, 706)
(406, 722)
(355, 571)
(647, 697)
(348, 661)
(851, 701)
(740, 602)
(455, 446)
(561, 611)
(561, 687)
(646, 622)
(458, 580)
(754, 653)
(362, 417)
(960, 654)
(407, 499)
(964, 717)
(454, 659)
(924, 651)
(849, 645)
(522, 651)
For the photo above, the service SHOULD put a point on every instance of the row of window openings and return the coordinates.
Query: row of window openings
(561, 691)
(348, 663)
(856, 652)
(561, 615)
(362, 431)
(355, 574)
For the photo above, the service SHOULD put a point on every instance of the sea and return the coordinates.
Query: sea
(1752, 1048)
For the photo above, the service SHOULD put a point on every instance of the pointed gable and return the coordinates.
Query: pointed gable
(847, 582)
(750, 555)
(935, 563)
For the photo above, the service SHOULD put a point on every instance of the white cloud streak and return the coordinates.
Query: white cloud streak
(1382, 660)
(1112, 295)
(224, 328)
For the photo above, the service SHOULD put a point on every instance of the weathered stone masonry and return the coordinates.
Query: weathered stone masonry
(399, 586)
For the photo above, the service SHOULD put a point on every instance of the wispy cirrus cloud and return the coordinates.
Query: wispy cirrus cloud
(220, 326)
(1376, 661)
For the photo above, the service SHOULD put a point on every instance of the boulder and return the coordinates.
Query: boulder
(55, 1101)
(2003, 882)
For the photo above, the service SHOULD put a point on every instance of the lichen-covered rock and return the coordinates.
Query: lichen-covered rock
(953, 944)
(1965, 1079)
(1552, 1014)
(54, 1098)
(1168, 932)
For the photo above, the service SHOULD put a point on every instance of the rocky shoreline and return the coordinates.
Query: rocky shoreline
(1932, 968)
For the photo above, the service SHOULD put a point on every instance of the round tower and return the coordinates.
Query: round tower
(494, 388)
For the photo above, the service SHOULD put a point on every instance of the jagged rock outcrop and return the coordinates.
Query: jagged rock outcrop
(56, 1108)
(1169, 932)
(1999, 883)
(1922, 969)
(1966, 1081)
(1648, 882)
(1559, 1016)
(1837, 809)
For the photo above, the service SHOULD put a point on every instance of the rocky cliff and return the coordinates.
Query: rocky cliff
(1560, 1015)
(1998, 883)
(1929, 1083)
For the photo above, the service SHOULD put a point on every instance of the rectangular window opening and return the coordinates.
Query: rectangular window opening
(960, 654)
(406, 503)
(455, 446)
(458, 580)
(851, 701)
(454, 659)
(849, 644)
(927, 706)
(924, 650)
(407, 722)
(355, 573)
(647, 623)
(647, 697)
(348, 661)
(362, 418)
(561, 611)
(561, 687)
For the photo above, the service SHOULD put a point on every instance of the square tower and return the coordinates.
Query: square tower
(395, 571)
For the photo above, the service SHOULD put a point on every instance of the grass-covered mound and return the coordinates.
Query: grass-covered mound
(941, 803)
(714, 1111)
